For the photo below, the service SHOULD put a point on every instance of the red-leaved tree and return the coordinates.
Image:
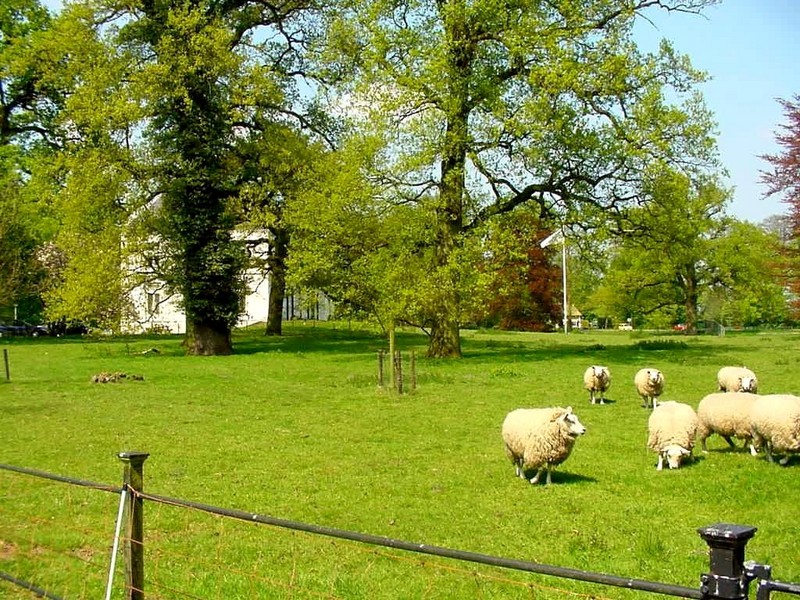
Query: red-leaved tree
(784, 180)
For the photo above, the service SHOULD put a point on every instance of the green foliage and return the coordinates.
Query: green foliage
(480, 108)
(683, 259)
(294, 427)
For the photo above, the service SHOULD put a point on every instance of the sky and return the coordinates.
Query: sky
(751, 51)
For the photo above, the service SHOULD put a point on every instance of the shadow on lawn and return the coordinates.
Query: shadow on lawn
(302, 339)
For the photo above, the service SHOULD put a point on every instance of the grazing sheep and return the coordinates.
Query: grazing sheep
(597, 380)
(737, 379)
(726, 414)
(672, 427)
(775, 420)
(540, 438)
(650, 385)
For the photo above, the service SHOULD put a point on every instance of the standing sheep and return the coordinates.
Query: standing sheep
(597, 380)
(650, 385)
(672, 427)
(540, 438)
(775, 420)
(726, 414)
(737, 379)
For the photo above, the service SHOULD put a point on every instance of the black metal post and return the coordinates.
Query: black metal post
(133, 480)
(5, 360)
(728, 579)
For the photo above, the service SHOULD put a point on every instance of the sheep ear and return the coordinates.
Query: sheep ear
(568, 410)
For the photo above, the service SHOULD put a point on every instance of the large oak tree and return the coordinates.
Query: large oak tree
(485, 105)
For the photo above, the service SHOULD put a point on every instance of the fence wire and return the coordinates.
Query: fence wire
(58, 539)
(55, 540)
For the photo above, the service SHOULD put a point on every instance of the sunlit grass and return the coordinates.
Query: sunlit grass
(296, 427)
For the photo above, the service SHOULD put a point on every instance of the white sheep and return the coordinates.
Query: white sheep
(726, 414)
(775, 420)
(540, 438)
(737, 379)
(597, 380)
(650, 385)
(672, 427)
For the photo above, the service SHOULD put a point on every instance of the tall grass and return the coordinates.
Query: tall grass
(296, 427)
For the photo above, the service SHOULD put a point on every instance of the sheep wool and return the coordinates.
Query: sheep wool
(775, 420)
(728, 415)
(597, 380)
(540, 439)
(649, 384)
(672, 427)
(737, 379)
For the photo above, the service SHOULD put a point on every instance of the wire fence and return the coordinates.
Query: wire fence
(61, 542)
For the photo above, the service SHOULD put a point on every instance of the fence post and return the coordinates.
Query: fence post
(413, 366)
(5, 360)
(398, 372)
(133, 479)
(728, 579)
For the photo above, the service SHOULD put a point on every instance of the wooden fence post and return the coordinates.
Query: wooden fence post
(728, 579)
(133, 480)
(398, 372)
(413, 366)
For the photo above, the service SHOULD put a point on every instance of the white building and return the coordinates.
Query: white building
(154, 310)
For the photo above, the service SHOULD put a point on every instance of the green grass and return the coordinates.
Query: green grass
(295, 427)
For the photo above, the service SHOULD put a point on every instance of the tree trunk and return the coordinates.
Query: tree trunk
(690, 302)
(445, 340)
(277, 287)
(204, 338)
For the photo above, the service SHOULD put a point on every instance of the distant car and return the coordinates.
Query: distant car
(22, 328)
(62, 327)
(625, 327)
(679, 327)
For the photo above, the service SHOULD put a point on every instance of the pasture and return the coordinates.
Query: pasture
(295, 427)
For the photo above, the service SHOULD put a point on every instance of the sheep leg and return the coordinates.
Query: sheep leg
(728, 439)
(549, 481)
(703, 444)
(784, 461)
(660, 464)
(535, 478)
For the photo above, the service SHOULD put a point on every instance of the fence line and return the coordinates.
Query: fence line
(728, 580)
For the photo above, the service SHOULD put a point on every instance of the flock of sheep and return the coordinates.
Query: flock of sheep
(539, 439)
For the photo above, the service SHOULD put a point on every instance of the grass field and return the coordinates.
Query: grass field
(295, 427)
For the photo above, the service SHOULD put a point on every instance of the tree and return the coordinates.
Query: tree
(681, 255)
(167, 95)
(25, 113)
(784, 180)
(519, 287)
(485, 106)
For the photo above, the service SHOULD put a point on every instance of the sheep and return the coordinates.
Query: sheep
(726, 414)
(775, 421)
(597, 380)
(672, 427)
(650, 385)
(737, 379)
(540, 438)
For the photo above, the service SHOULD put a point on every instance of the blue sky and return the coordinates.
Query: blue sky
(751, 50)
